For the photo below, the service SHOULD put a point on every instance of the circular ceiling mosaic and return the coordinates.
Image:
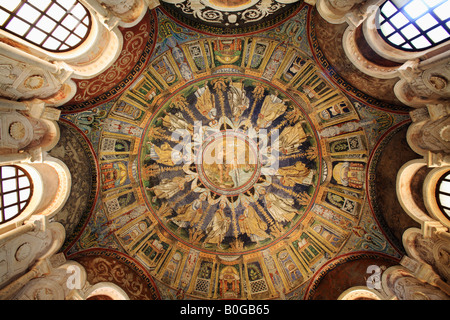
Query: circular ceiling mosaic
(229, 164)
(230, 168)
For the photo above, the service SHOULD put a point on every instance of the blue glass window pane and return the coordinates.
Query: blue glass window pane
(55, 25)
(414, 25)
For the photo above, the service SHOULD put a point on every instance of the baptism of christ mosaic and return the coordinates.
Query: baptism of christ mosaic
(229, 164)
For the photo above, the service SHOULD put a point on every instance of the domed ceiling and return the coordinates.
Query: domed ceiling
(230, 167)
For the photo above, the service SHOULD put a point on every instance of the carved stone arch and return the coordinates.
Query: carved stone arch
(383, 48)
(106, 291)
(48, 75)
(51, 181)
(366, 60)
(431, 184)
(422, 75)
(360, 293)
(94, 54)
(405, 196)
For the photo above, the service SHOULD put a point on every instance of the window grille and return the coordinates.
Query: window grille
(414, 25)
(16, 189)
(443, 194)
(54, 25)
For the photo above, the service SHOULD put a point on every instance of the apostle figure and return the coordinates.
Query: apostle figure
(272, 108)
(251, 224)
(280, 208)
(175, 122)
(291, 138)
(205, 102)
(291, 175)
(165, 154)
(237, 99)
(190, 214)
(168, 187)
(217, 227)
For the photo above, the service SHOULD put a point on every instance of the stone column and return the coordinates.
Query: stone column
(127, 11)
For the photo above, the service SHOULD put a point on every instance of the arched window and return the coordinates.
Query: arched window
(54, 25)
(414, 25)
(443, 194)
(15, 189)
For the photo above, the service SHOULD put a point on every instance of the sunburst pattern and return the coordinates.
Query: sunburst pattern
(230, 164)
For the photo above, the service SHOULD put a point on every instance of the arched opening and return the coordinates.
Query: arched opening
(53, 25)
(414, 25)
(443, 194)
(16, 188)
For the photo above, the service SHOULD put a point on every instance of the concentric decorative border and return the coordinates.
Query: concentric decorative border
(319, 169)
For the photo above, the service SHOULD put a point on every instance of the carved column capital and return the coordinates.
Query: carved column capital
(410, 70)
(430, 228)
(126, 11)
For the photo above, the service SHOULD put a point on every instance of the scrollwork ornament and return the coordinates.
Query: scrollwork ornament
(185, 8)
(23, 252)
(251, 15)
(212, 16)
(248, 13)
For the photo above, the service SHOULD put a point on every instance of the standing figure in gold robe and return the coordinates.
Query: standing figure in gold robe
(190, 214)
(280, 208)
(176, 121)
(291, 175)
(251, 224)
(291, 138)
(237, 99)
(217, 227)
(168, 187)
(205, 102)
(272, 108)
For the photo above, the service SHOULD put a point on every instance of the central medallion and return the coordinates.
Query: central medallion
(228, 163)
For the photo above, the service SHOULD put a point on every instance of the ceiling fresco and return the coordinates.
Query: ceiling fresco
(232, 167)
